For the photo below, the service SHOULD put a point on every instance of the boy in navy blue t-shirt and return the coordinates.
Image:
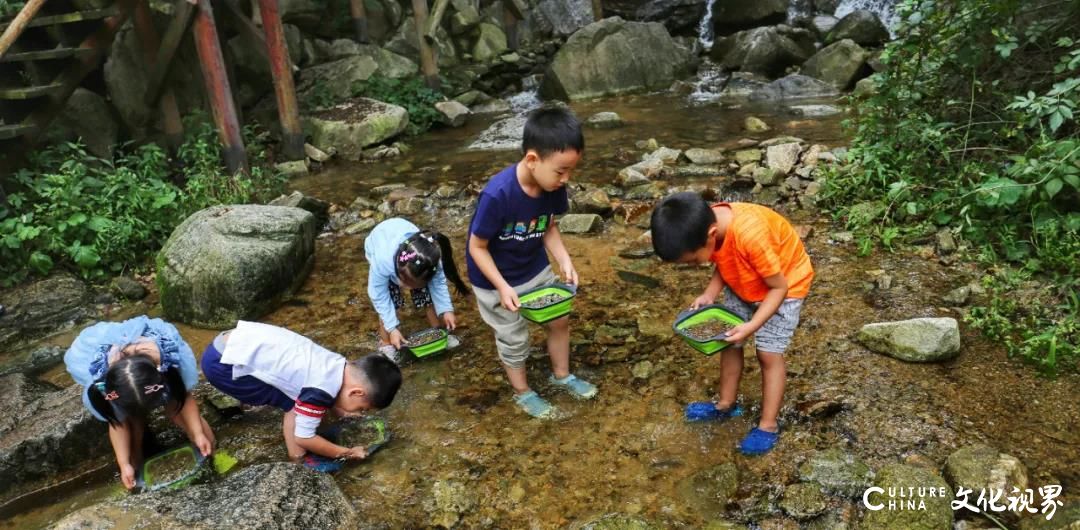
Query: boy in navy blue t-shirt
(509, 237)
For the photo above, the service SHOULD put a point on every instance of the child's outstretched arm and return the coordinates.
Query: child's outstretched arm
(197, 430)
(778, 289)
(378, 289)
(553, 243)
(478, 249)
(440, 298)
(298, 446)
(713, 290)
(120, 438)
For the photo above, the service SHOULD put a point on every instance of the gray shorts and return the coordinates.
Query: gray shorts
(775, 335)
(511, 329)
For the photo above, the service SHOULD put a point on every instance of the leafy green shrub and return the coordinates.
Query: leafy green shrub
(972, 129)
(412, 94)
(9, 8)
(98, 217)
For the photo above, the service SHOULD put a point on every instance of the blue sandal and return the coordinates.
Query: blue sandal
(707, 411)
(323, 464)
(758, 442)
(534, 405)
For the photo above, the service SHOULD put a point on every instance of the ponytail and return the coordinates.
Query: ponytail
(449, 267)
(420, 255)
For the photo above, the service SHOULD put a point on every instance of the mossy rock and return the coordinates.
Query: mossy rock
(804, 501)
(837, 472)
(618, 521)
(929, 513)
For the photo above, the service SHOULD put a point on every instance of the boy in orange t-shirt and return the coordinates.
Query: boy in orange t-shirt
(764, 272)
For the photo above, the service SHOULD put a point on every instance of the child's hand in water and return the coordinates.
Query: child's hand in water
(203, 443)
(449, 320)
(355, 453)
(127, 475)
(396, 338)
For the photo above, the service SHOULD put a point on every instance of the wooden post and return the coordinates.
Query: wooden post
(428, 66)
(359, 20)
(518, 7)
(217, 89)
(148, 37)
(18, 24)
(178, 27)
(598, 9)
(292, 137)
(510, 27)
(432, 27)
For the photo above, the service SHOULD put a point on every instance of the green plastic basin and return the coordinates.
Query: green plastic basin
(150, 479)
(434, 345)
(551, 311)
(689, 319)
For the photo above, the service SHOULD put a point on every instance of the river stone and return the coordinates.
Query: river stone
(566, 17)
(958, 296)
(861, 26)
(464, 19)
(333, 81)
(42, 307)
(490, 43)
(747, 156)
(782, 158)
(865, 87)
(838, 473)
(698, 155)
(755, 125)
(505, 134)
(592, 201)
(644, 192)
(1064, 518)
(44, 431)
(823, 24)
(978, 467)
(127, 288)
(768, 50)
(355, 124)
(613, 56)
(318, 207)
(804, 501)
(814, 111)
(638, 278)
(449, 501)
(604, 120)
(840, 64)
(915, 340)
(794, 86)
(34, 362)
(405, 43)
(712, 487)
(580, 223)
(452, 113)
(937, 515)
(616, 521)
(767, 176)
(86, 115)
(665, 155)
(226, 263)
(729, 16)
(274, 496)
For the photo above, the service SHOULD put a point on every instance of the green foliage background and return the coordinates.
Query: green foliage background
(973, 130)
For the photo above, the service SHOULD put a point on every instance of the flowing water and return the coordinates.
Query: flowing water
(629, 449)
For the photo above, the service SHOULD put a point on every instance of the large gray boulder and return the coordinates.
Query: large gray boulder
(978, 467)
(490, 43)
(227, 263)
(388, 63)
(768, 50)
(41, 308)
(333, 81)
(678, 16)
(88, 116)
(505, 134)
(614, 56)
(794, 86)
(404, 43)
(938, 511)
(861, 26)
(731, 16)
(44, 431)
(566, 16)
(840, 64)
(355, 124)
(916, 340)
(275, 496)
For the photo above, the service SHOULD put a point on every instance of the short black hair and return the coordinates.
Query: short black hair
(680, 224)
(383, 375)
(550, 130)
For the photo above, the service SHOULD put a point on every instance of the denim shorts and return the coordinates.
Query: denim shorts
(775, 335)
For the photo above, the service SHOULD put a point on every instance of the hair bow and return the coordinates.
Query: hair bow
(111, 395)
(150, 389)
(406, 256)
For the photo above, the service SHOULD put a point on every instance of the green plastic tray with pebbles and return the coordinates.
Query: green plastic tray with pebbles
(173, 469)
(370, 433)
(548, 302)
(427, 342)
(704, 329)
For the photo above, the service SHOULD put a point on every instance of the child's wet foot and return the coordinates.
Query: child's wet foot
(759, 442)
(578, 388)
(709, 411)
(534, 405)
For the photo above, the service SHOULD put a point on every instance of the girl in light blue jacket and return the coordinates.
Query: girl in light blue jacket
(401, 255)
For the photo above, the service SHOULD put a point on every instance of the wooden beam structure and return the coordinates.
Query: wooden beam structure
(292, 137)
(218, 91)
(428, 65)
(18, 24)
(518, 7)
(148, 37)
(174, 34)
(510, 28)
(432, 27)
(598, 9)
(360, 21)
(247, 26)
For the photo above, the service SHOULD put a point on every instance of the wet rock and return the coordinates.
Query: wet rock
(823, 24)
(361, 226)
(449, 501)
(127, 288)
(86, 115)
(862, 27)
(566, 16)
(782, 158)
(640, 173)
(838, 473)
(617, 522)
(316, 154)
(225, 263)
(452, 113)
(318, 207)
(381, 191)
(638, 278)
(755, 125)
(804, 501)
(766, 176)
(711, 488)
(810, 156)
(865, 87)
(334, 81)
(580, 223)
(937, 513)
(696, 170)
(404, 43)
(276, 496)
(1065, 517)
(739, 15)
(411, 206)
(915, 340)
(593, 201)
(493, 106)
(865, 213)
(654, 327)
(814, 111)
(768, 51)
(490, 43)
(351, 126)
(636, 252)
(958, 297)
(840, 64)
(42, 307)
(747, 156)
(504, 134)
(665, 155)
(946, 244)
(781, 140)
(613, 56)
(794, 86)
(604, 120)
(644, 192)
(292, 168)
(978, 467)
(698, 155)
(723, 525)
(44, 431)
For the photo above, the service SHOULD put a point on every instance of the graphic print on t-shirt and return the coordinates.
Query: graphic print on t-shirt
(522, 230)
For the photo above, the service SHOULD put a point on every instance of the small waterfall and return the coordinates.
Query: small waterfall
(884, 9)
(528, 99)
(710, 83)
(705, 28)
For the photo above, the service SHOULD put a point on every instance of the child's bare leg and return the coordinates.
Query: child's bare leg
(288, 428)
(558, 343)
(773, 378)
(731, 366)
(518, 379)
(432, 318)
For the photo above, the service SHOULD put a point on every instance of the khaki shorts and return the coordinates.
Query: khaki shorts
(511, 329)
